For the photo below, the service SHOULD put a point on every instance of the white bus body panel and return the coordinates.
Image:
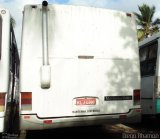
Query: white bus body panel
(109, 37)
(4, 61)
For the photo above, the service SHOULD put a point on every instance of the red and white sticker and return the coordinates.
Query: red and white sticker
(85, 101)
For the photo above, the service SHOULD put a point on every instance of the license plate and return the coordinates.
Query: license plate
(85, 101)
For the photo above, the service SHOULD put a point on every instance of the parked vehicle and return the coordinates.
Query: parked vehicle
(150, 75)
(79, 66)
(9, 72)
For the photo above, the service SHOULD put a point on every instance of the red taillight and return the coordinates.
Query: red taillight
(26, 117)
(47, 121)
(26, 97)
(2, 101)
(26, 100)
(122, 117)
(138, 110)
(136, 97)
(2, 98)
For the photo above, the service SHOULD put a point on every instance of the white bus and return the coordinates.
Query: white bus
(79, 65)
(149, 50)
(9, 63)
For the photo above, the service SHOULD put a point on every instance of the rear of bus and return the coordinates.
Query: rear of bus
(4, 63)
(79, 66)
(150, 75)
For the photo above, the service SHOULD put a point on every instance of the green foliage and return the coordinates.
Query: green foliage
(145, 21)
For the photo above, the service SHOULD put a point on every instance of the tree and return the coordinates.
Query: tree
(146, 25)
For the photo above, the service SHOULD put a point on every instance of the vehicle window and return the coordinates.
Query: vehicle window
(152, 51)
(143, 53)
(148, 58)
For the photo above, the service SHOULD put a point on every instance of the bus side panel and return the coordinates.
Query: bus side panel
(158, 80)
(147, 92)
(148, 95)
(158, 105)
(148, 106)
(4, 62)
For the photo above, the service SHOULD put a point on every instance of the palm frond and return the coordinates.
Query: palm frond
(140, 34)
(145, 20)
(156, 21)
(13, 22)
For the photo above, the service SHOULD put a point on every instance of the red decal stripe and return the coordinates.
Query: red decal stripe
(2, 98)
(26, 101)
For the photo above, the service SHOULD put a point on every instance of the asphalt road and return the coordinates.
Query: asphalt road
(88, 132)
(149, 128)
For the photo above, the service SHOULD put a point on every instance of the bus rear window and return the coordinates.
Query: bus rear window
(0, 35)
(148, 58)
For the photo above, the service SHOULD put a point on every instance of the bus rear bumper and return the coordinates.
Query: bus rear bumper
(33, 122)
(1, 124)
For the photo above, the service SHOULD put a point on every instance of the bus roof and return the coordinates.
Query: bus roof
(150, 39)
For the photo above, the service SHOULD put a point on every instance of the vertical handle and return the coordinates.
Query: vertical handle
(45, 68)
(45, 32)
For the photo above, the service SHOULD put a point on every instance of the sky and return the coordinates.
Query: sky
(16, 7)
